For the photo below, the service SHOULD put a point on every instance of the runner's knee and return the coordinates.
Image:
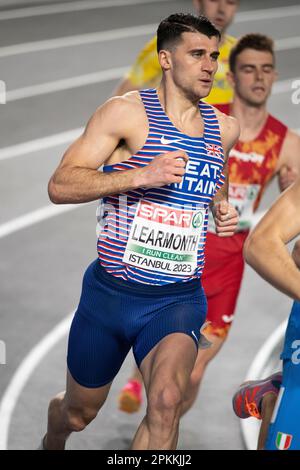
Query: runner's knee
(79, 418)
(165, 399)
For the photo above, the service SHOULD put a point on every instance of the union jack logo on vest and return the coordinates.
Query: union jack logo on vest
(214, 150)
(283, 441)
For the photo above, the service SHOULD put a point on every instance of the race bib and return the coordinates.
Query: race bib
(164, 239)
(243, 197)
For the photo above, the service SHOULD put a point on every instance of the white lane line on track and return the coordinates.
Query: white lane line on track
(283, 86)
(35, 217)
(29, 12)
(109, 35)
(24, 372)
(77, 40)
(267, 14)
(285, 44)
(36, 145)
(254, 15)
(66, 84)
(250, 427)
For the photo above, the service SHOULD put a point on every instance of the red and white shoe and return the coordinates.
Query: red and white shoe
(130, 398)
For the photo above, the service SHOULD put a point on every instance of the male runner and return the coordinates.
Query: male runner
(164, 155)
(265, 251)
(266, 148)
(146, 71)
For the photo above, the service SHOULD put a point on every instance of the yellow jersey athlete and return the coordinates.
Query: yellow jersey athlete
(146, 71)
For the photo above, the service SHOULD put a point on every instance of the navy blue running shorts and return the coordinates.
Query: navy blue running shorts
(114, 315)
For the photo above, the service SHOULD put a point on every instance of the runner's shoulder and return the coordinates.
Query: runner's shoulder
(229, 127)
(121, 110)
(227, 123)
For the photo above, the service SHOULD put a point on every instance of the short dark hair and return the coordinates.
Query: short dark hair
(255, 41)
(170, 29)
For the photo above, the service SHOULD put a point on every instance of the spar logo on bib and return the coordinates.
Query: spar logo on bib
(283, 441)
(197, 220)
(165, 215)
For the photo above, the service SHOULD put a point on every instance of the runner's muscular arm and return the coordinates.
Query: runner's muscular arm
(77, 178)
(289, 160)
(265, 248)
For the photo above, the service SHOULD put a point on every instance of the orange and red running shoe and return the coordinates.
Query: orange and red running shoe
(248, 399)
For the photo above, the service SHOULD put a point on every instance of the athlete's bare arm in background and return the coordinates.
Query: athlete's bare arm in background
(77, 178)
(289, 160)
(265, 248)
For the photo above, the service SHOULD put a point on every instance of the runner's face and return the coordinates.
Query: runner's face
(254, 76)
(194, 64)
(219, 12)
